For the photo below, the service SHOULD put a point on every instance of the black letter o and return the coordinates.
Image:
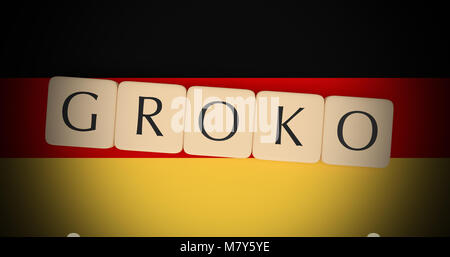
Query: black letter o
(340, 132)
(235, 119)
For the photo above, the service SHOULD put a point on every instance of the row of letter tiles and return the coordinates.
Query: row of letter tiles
(214, 121)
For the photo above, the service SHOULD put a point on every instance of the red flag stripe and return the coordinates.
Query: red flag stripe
(420, 111)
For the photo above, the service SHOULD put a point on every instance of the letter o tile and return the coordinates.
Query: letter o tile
(357, 131)
(228, 119)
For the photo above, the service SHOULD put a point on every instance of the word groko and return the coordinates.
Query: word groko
(214, 121)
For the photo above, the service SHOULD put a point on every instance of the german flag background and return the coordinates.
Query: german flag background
(398, 53)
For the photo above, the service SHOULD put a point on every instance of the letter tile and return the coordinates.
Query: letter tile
(289, 127)
(357, 131)
(150, 117)
(81, 112)
(219, 122)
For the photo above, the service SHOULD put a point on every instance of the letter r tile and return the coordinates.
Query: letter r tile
(357, 131)
(81, 112)
(219, 122)
(150, 117)
(289, 127)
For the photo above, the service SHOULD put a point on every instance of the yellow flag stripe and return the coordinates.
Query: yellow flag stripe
(222, 197)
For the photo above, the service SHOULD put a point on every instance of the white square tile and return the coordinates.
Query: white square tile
(289, 127)
(81, 112)
(227, 124)
(357, 131)
(150, 117)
